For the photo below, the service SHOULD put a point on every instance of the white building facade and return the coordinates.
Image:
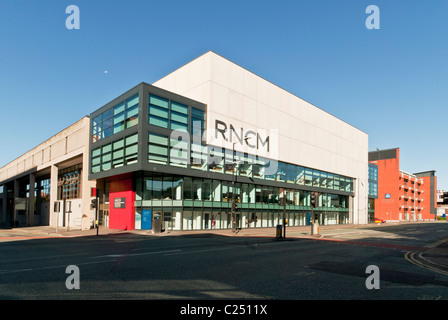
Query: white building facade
(300, 133)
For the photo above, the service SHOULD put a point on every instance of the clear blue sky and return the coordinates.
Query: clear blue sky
(391, 83)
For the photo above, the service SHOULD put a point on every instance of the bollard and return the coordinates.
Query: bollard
(316, 228)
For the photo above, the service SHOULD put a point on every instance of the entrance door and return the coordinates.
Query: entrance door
(206, 220)
(167, 221)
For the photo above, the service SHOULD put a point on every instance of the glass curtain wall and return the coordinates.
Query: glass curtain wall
(191, 203)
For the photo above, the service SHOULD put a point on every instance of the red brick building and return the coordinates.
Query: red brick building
(403, 196)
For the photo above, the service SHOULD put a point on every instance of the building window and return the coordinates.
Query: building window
(131, 149)
(179, 116)
(178, 152)
(373, 189)
(373, 172)
(167, 114)
(197, 122)
(44, 190)
(198, 157)
(106, 157)
(116, 154)
(158, 148)
(116, 119)
(308, 177)
(69, 183)
(216, 159)
(330, 181)
(158, 111)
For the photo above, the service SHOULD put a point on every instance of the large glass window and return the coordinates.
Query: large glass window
(162, 188)
(373, 189)
(157, 188)
(330, 181)
(197, 189)
(291, 173)
(158, 148)
(323, 180)
(316, 178)
(281, 171)
(158, 111)
(96, 160)
(44, 188)
(106, 157)
(202, 213)
(308, 177)
(147, 188)
(131, 149)
(177, 188)
(188, 188)
(167, 114)
(178, 152)
(198, 157)
(116, 154)
(179, 116)
(269, 173)
(116, 119)
(197, 122)
(373, 172)
(167, 188)
(207, 190)
(216, 159)
(336, 182)
(216, 189)
(131, 114)
(69, 183)
(342, 184)
(300, 175)
(226, 191)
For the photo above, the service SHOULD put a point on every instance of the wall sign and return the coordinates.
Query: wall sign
(119, 203)
(387, 196)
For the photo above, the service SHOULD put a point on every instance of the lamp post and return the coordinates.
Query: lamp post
(284, 213)
(234, 207)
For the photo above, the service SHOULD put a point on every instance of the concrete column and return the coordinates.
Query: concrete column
(4, 204)
(31, 200)
(16, 196)
(53, 195)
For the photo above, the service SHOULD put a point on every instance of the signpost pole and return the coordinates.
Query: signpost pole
(96, 214)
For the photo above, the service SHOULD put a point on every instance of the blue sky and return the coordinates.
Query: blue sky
(391, 83)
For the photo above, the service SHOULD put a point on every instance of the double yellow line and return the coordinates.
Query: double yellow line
(414, 257)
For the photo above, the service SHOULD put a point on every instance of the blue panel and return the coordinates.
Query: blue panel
(146, 219)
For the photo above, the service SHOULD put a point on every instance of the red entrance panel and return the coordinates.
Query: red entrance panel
(121, 205)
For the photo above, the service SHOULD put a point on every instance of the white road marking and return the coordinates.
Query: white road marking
(135, 254)
(197, 251)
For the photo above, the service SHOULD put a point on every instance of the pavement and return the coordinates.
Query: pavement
(433, 256)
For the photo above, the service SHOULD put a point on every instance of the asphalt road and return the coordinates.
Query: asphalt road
(215, 267)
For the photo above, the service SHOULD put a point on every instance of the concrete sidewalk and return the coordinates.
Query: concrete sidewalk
(291, 232)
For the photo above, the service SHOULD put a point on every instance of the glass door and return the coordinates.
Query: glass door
(167, 221)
